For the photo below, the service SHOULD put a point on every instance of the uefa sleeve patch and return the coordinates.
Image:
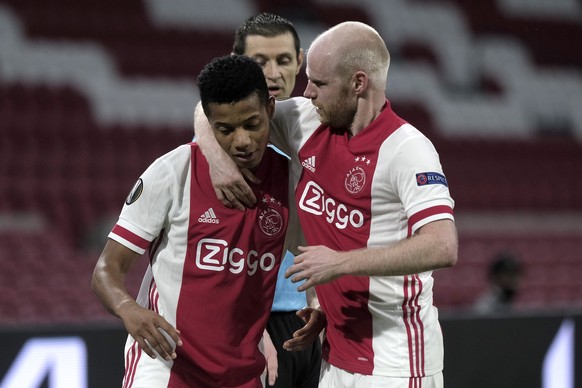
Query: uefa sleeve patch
(135, 192)
(431, 178)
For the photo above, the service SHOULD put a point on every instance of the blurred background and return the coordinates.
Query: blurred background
(91, 92)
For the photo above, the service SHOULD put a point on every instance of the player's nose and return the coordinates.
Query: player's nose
(241, 139)
(272, 70)
(309, 91)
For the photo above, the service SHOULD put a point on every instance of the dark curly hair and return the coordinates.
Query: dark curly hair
(229, 79)
(264, 24)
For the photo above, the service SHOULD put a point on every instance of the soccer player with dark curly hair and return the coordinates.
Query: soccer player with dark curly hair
(207, 293)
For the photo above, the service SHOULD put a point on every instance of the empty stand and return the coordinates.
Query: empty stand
(44, 280)
(549, 261)
(125, 30)
(58, 164)
(61, 164)
(512, 175)
(549, 39)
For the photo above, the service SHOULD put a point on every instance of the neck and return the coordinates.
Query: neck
(368, 110)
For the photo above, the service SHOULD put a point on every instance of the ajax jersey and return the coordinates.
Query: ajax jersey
(212, 269)
(370, 190)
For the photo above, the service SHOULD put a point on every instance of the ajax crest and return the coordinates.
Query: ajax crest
(270, 222)
(355, 180)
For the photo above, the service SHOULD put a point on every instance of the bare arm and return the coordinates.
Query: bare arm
(270, 353)
(311, 296)
(228, 181)
(434, 246)
(142, 324)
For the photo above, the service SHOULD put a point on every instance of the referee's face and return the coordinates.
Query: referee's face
(277, 57)
(242, 129)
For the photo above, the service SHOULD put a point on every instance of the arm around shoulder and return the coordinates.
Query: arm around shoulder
(228, 181)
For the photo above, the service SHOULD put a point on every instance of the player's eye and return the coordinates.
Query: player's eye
(284, 61)
(253, 125)
(224, 129)
(261, 62)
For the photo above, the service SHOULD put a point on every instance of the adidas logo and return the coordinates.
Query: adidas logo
(209, 217)
(309, 163)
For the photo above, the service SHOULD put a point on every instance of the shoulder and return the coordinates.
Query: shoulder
(179, 153)
(406, 140)
(173, 163)
(182, 152)
(294, 107)
(294, 103)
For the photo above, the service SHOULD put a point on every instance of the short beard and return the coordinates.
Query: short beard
(345, 111)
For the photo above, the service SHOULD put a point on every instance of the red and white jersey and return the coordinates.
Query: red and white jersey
(371, 190)
(212, 272)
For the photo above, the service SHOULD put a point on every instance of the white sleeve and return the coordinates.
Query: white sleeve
(146, 209)
(293, 123)
(294, 120)
(294, 237)
(420, 182)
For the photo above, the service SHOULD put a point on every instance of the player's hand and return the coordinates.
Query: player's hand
(228, 182)
(270, 353)
(303, 338)
(316, 265)
(151, 331)
(230, 185)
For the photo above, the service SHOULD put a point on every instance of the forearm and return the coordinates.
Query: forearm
(147, 327)
(228, 181)
(108, 280)
(312, 300)
(204, 136)
(433, 248)
(111, 291)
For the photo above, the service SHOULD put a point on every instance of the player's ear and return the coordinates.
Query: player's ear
(271, 106)
(360, 82)
(300, 59)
